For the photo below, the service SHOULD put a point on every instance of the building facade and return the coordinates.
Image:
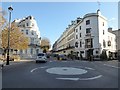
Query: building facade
(65, 44)
(28, 26)
(92, 37)
(117, 33)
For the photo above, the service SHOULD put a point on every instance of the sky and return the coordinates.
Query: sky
(54, 17)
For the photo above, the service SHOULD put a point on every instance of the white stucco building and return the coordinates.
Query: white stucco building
(92, 37)
(65, 43)
(28, 26)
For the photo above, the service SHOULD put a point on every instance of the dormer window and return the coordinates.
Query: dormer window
(30, 17)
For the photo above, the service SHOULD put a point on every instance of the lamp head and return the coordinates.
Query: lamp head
(10, 8)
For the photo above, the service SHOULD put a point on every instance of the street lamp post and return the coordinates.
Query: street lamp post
(10, 9)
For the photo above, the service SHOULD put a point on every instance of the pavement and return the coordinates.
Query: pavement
(17, 62)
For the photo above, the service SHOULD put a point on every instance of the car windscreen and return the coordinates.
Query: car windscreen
(41, 54)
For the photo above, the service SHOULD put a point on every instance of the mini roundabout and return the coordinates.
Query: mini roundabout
(73, 73)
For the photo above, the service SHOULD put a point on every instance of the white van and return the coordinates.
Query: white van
(41, 57)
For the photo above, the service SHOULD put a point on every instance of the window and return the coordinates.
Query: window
(80, 34)
(87, 22)
(109, 43)
(80, 27)
(32, 40)
(23, 25)
(88, 30)
(32, 32)
(76, 30)
(76, 44)
(80, 44)
(27, 24)
(37, 51)
(88, 43)
(31, 51)
(104, 44)
(76, 36)
(26, 31)
(22, 30)
(103, 32)
(32, 24)
(103, 23)
(97, 52)
(30, 17)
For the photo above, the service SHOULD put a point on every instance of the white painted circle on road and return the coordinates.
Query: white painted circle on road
(66, 71)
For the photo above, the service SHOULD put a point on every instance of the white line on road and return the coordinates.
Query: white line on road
(34, 69)
(111, 66)
(76, 79)
(89, 68)
(37, 68)
(92, 78)
(84, 67)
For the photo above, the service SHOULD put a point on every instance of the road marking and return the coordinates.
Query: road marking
(76, 79)
(89, 68)
(92, 78)
(66, 71)
(111, 66)
(37, 68)
(33, 69)
(84, 67)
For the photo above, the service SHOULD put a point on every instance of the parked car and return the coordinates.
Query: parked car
(41, 57)
(62, 57)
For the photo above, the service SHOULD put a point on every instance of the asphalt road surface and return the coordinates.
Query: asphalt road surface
(61, 74)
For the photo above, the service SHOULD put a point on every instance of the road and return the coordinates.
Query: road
(61, 74)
